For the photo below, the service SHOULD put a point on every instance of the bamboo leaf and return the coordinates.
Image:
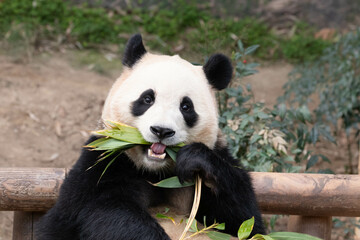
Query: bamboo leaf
(172, 182)
(162, 216)
(218, 235)
(107, 166)
(261, 237)
(131, 135)
(246, 228)
(220, 226)
(171, 153)
(103, 157)
(109, 144)
(194, 226)
(291, 236)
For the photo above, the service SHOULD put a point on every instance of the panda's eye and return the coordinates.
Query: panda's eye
(148, 99)
(185, 107)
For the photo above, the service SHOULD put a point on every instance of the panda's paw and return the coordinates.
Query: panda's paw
(196, 159)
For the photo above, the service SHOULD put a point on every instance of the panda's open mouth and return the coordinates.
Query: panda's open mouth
(157, 152)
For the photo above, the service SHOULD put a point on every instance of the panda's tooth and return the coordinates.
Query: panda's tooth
(154, 155)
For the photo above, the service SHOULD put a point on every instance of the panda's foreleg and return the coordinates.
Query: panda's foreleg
(227, 195)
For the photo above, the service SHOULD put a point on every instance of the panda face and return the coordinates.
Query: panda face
(170, 101)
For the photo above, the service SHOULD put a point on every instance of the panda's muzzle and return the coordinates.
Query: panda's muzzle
(157, 151)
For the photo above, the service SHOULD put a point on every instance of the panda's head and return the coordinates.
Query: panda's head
(168, 99)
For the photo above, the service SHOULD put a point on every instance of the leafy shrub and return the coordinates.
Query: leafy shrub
(335, 79)
(59, 21)
(264, 139)
(168, 23)
(31, 15)
(90, 25)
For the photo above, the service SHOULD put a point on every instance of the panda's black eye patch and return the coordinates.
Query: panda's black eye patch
(188, 111)
(143, 103)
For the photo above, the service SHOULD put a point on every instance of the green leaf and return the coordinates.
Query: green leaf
(312, 161)
(263, 115)
(243, 123)
(314, 134)
(162, 216)
(131, 135)
(220, 226)
(240, 46)
(171, 153)
(324, 158)
(282, 110)
(246, 228)
(306, 113)
(107, 166)
(172, 182)
(194, 226)
(291, 236)
(254, 138)
(109, 144)
(218, 235)
(261, 237)
(251, 49)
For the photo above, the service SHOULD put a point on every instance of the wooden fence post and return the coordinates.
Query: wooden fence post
(23, 227)
(315, 226)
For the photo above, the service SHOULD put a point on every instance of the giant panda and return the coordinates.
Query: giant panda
(170, 101)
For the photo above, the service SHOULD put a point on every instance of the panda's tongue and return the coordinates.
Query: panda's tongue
(158, 148)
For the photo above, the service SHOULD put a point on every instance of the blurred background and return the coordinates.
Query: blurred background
(293, 105)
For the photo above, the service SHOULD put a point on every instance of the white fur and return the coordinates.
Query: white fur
(171, 78)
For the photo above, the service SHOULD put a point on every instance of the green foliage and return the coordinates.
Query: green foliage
(334, 80)
(86, 26)
(244, 232)
(302, 46)
(253, 31)
(168, 24)
(347, 226)
(90, 25)
(265, 139)
(32, 14)
(172, 182)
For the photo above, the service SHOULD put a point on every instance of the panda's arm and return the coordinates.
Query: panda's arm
(227, 194)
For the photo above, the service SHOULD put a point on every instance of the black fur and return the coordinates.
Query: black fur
(227, 194)
(143, 103)
(116, 208)
(188, 111)
(218, 71)
(134, 51)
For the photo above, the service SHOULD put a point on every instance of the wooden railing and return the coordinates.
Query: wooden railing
(310, 199)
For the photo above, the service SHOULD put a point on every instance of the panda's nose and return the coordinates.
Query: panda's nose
(161, 132)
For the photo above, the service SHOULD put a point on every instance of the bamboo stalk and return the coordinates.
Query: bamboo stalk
(194, 208)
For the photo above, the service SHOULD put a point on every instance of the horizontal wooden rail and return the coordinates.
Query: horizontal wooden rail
(29, 189)
(308, 194)
(36, 189)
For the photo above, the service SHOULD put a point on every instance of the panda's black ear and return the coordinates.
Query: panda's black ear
(134, 50)
(218, 71)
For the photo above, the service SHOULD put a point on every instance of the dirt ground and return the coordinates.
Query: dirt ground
(48, 108)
